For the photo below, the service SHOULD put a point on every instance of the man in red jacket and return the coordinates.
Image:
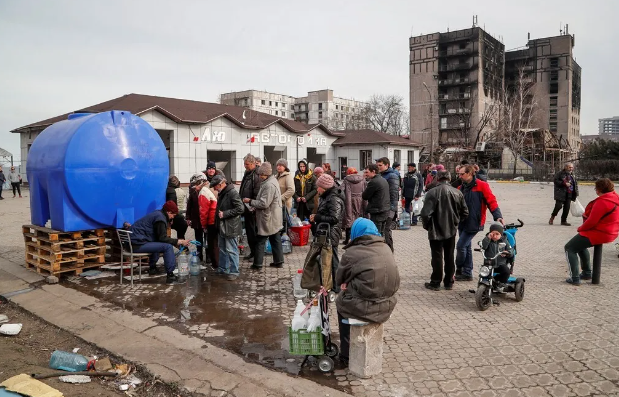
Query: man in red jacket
(600, 226)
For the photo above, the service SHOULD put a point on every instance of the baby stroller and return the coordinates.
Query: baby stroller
(317, 277)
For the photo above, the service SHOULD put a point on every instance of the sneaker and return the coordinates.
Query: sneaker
(255, 267)
(1, 198)
(573, 282)
(277, 265)
(171, 278)
(449, 287)
(565, 224)
(214, 266)
(20, 196)
(231, 277)
(584, 277)
(458, 272)
(463, 277)
(13, 196)
(153, 271)
(432, 287)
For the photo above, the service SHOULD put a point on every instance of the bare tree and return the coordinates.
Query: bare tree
(518, 115)
(475, 123)
(385, 113)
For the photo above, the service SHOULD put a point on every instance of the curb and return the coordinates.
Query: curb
(194, 364)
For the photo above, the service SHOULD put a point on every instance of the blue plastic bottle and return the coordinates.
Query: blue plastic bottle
(286, 244)
(68, 361)
(194, 264)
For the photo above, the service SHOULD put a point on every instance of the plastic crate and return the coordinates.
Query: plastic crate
(303, 343)
(299, 235)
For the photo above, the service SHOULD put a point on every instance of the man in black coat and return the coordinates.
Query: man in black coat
(565, 191)
(412, 186)
(377, 195)
(250, 186)
(443, 209)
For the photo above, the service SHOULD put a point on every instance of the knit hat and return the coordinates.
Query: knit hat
(210, 164)
(197, 178)
(283, 162)
(497, 227)
(319, 170)
(265, 169)
(351, 171)
(440, 167)
(217, 179)
(325, 181)
(170, 206)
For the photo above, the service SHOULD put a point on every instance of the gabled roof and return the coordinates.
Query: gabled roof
(188, 112)
(371, 137)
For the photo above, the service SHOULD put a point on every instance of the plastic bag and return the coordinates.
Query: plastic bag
(417, 206)
(577, 209)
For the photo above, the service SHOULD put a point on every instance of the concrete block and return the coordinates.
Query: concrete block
(52, 280)
(366, 350)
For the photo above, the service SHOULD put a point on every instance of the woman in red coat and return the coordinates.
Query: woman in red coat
(600, 226)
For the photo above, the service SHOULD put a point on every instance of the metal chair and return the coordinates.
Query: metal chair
(124, 236)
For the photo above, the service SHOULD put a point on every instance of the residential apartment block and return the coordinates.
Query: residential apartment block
(608, 126)
(316, 107)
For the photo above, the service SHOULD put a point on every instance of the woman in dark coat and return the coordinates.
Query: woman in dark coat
(354, 205)
(565, 191)
(304, 190)
(369, 279)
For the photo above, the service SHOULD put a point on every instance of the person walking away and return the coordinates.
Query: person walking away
(393, 179)
(269, 221)
(172, 193)
(368, 278)
(330, 211)
(149, 234)
(490, 245)
(305, 190)
(318, 171)
(250, 185)
(376, 194)
(353, 187)
(396, 168)
(228, 223)
(15, 179)
(208, 206)
(412, 187)
(443, 209)
(479, 198)
(565, 191)
(600, 226)
(286, 187)
(2, 180)
(193, 213)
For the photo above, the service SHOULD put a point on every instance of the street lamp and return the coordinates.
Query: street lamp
(431, 121)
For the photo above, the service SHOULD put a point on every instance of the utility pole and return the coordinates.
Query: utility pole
(431, 122)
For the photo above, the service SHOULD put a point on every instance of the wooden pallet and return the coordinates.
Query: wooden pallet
(54, 252)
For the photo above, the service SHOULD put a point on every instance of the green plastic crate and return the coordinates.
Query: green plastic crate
(303, 343)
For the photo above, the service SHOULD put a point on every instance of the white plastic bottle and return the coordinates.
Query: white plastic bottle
(298, 292)
(314, 323)
(299, 321)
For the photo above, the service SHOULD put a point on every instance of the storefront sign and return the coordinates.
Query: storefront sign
(266, 137)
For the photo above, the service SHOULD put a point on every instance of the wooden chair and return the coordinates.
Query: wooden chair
(124, 236)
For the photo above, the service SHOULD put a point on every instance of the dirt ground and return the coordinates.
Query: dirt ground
(30, 351)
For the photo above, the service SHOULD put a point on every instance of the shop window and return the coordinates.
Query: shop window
(397, 156)
(365, 158)
(411, 156)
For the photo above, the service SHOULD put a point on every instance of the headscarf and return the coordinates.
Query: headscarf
(363, 227)
(303, 178)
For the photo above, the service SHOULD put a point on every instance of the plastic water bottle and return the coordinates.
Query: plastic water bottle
(297, 291)
(68, 361)
(194, 264)
(183, 265)
(315, 322)
(299, 321)
(286, 244)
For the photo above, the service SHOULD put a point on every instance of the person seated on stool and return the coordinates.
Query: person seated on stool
(368, 278)
(150, 235)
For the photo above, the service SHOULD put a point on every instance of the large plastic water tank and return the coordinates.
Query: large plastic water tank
(96, 170)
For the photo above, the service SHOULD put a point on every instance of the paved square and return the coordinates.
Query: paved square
(560, 340)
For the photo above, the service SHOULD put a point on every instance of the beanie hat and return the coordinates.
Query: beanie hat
(210, 164)
(318, 170)
(170, 206)
(265, 169)
(440, 167)
(283, 162)
(496, 227)
(351, 170)
(197, 178)
(325, 181)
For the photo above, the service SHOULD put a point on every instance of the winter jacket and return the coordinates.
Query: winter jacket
(208, 206)
(354, 205)
(377, 195)
(368, 268)
(250, 185)
(443, 209)
(230, 203)
(393, 178)
(286, 188)
(181, 199)
(305, 186)
(170, 192)
(561, 190)
(151, 228)
(601, 219)
(14, 177)
(330, 210)
(2, 178)
(491, 248)
(412, 185)
(268, 205)
(478, 197)
(482, 175)
(193, 208)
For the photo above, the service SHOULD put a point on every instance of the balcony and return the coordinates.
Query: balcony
(453, 112)
(456, 66)
(453, 126)
(455, 52)
(463, 80)
(453, 97)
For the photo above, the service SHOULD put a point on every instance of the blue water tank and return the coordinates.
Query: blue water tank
(95, 171)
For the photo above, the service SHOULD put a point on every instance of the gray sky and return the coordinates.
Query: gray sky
(58, 56)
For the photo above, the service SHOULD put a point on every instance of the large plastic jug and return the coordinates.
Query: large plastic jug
(96, 171)
(182, 264)
(194, 264)
(68, 361)
(286, 244)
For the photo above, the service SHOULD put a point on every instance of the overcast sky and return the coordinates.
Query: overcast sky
(59, 56)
